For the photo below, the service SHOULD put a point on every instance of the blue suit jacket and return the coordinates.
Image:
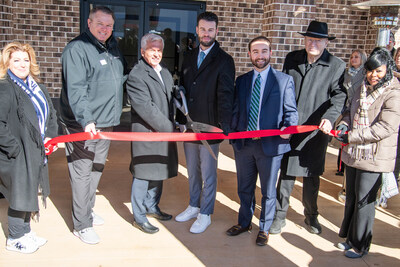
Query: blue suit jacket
(278, 108)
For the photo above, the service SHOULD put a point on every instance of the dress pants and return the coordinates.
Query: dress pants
(251, 161)
(359, 211)
(86, 160)
(145, 197)
(18, 223)
(284, 190)
(202, 171)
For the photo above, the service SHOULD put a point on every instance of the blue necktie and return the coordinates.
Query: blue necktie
(254, 105)
(201, 58)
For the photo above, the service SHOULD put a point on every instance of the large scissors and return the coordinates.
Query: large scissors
(196, 127)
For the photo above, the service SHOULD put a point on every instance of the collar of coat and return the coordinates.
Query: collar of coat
(212, 53)
(209, 58)
(26, 111)
(301, 58)
(147, 65)
(153, 74)
(110, 44)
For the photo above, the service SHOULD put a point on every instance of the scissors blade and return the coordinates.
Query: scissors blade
(203, 127)
(204, 142)
(191, 122)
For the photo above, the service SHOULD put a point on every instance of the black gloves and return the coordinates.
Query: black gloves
(226, 128)
(342, 136)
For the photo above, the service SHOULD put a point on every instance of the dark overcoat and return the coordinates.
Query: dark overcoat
(320, 94)
(22, 153)
(152, 111)
(210, 88)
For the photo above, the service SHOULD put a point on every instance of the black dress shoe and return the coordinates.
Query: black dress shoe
(237, 229)
(159, 215)
(146, 227)
(312, 225)
(262, 238)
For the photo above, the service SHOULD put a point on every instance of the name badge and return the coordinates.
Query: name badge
(103, 62)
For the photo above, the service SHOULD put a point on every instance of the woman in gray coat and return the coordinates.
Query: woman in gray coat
(372, 123)
(27, 121)
(354, 75)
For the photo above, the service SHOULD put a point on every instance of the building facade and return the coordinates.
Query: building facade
(48, 25)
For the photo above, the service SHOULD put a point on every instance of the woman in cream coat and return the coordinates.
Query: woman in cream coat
(369, 127)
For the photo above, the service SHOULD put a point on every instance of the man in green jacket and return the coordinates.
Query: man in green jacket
(91, 101)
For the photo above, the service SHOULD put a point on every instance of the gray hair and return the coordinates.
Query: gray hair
(149, 38)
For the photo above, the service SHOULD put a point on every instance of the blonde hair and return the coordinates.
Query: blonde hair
(362, 54)
(14, 47)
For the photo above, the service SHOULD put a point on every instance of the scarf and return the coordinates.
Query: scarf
(360, 121)
(353, 71)
(37, 97)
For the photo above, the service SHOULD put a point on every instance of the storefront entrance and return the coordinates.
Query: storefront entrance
(174, 20)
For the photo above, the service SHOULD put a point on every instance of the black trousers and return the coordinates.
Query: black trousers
(284, 190)
(359, 211)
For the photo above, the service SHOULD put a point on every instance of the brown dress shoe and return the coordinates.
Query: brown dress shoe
(237, 229)
(262, 238)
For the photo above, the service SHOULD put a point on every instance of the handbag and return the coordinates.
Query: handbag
(389, 185)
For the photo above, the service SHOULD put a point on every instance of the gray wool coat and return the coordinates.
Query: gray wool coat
(320, 94)
(152, 111)
(22, 154)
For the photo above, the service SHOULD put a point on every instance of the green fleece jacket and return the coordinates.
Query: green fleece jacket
(92, 80)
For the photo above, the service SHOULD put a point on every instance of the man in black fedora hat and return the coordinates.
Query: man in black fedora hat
(320, 97)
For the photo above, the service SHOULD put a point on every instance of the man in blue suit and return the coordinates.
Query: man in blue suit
(264, 99)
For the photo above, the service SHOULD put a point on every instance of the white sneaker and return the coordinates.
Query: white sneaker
(88, 235)
(23, 245)
(189, 213)
(97, 220)
(201, 224)
(40, 241)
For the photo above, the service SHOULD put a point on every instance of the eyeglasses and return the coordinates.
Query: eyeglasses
(316, 41)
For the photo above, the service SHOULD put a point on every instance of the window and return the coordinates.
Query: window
(174, 20)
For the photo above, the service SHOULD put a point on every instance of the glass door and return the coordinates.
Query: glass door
(174, 20)
(177, 24)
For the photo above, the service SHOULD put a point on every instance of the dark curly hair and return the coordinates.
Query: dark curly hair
(380, 56)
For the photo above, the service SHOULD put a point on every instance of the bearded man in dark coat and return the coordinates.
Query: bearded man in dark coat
(320, 97)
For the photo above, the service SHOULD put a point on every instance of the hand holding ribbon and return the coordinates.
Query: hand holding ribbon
(175, 137)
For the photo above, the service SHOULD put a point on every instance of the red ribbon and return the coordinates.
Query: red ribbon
(157, 136)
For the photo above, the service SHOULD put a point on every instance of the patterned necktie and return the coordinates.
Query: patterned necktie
(201, 58)
(254, 105)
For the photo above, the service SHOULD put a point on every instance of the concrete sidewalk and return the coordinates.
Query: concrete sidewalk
(123, 245)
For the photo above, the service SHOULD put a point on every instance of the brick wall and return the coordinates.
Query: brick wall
(6, 22)
(281, 20)
(239, 22)
(49, 24)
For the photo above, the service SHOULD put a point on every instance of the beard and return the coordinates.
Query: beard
(207, 44)
(260, 63)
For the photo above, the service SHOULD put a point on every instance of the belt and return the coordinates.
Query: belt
(256, 138)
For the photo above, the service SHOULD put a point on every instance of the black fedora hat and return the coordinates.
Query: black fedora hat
(317, 29)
